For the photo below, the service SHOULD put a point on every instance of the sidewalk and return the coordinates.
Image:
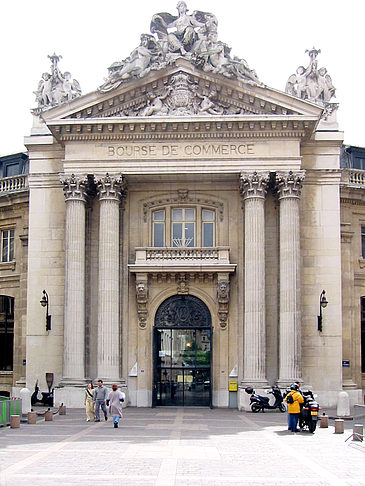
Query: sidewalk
(178, 447)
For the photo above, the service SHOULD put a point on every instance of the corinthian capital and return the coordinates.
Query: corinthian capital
(112, 187)
(253, 184)
(289, 183)
(74, 187)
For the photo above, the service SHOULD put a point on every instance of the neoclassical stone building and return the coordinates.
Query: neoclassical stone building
(184, 219)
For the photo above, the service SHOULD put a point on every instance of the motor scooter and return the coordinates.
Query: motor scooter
(259, 402)
(309, 412)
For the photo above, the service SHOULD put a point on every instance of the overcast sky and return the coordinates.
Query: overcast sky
(272, 35)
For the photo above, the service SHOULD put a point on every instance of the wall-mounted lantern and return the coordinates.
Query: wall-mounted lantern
(322, 304)
(44, 303)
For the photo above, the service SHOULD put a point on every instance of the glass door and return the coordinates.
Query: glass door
(182, 367)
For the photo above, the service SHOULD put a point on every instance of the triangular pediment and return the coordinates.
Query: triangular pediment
(178, 94)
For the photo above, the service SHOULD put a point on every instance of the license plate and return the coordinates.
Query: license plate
(314, 413)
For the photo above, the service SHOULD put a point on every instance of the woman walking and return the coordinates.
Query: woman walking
(115, 399)
(89, 401)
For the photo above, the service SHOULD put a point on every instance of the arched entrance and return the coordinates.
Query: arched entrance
(182, 351)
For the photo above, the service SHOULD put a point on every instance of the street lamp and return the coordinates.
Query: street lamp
(322, 304)
(44, 303)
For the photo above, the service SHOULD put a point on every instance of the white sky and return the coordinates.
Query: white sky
(272, 35)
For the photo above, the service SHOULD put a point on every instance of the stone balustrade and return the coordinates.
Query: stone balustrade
(14, 184)
(354, 177)
(154, 254)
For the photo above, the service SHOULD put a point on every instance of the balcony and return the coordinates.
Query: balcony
(182, 259)
(13, 184)
(354, 178)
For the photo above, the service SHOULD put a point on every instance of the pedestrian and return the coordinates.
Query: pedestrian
(294, 399)
(89, 401)
(100, 396)
(116, 397)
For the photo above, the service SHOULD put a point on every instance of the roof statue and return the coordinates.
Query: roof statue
(56, 88)
(191, 36)
(313, 84)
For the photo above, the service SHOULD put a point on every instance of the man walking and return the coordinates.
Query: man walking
(100, 396)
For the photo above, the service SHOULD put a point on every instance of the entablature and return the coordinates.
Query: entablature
(179, 128)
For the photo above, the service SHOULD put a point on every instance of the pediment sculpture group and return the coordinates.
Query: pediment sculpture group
(195, 38)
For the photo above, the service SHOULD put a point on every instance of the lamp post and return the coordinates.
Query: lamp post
(322, 304)
(44, 303)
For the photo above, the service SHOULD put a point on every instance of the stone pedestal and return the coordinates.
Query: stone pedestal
(14, 421)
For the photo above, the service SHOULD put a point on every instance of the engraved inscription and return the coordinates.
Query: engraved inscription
(186, 150)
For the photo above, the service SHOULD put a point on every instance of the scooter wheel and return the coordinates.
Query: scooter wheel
(312, 426)
(255, 407)
(282, 408)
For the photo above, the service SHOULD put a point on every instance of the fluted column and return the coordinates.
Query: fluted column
(111, 192)
(290, 349)
(74, 310)
(253, 191)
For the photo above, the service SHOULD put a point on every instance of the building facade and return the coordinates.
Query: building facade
(184, 219)
(13, 270)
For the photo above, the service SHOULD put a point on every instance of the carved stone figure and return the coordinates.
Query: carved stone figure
(193, 36)
(55, 88)
(313, 84)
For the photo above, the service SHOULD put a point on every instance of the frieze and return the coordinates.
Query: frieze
(182, 150)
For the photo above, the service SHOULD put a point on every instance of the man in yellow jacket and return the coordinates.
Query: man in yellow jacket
(294, 399)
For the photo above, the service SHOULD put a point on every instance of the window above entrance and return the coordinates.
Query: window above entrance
(183, 227)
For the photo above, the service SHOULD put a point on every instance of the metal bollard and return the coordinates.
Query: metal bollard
(32, 418)
(339, 426)
(358, 432)
(48, 416)
(62, 410)
(323, 421)
(14, 421)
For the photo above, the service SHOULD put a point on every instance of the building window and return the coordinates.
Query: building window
(363, 334)
(6, 332)
(159, 228)
(208, 218)
(7, 246)
(183, 227)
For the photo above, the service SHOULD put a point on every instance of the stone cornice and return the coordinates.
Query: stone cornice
(176, 128)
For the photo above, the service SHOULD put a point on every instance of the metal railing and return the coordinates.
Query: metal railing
(14, 184)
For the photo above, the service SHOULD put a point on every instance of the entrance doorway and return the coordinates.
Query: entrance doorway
(182, 353)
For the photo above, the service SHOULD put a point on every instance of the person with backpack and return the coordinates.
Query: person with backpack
(294, 399)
